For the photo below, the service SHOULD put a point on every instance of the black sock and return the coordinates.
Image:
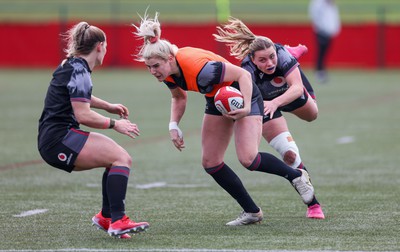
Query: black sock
(228, 180)
(117, 182)
(105, 211)
(265, 162)
(268, 163)
(313, 202)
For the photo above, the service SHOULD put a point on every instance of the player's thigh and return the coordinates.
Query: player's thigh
(247, 132)
(101, 151)
(215, 136)
(308, 112)
(274, 127)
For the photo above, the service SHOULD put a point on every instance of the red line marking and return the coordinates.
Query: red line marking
(20, 164)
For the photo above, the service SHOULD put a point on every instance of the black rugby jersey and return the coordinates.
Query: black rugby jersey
(71, 82)
(274, 85)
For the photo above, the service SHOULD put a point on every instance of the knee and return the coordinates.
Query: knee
(287, 148)
(128, 160)
(124, 158)
(246, 162)
(289, 157)
(207, 162)
(251, 162)
(312, 117)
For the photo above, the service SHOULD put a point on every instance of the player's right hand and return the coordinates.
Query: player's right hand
(177, 139)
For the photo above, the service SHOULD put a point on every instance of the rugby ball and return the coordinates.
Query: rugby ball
(228, 99)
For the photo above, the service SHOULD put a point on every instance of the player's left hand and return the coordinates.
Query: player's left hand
(269, 108)
(126, 127)
(119, 109)
(238, 113)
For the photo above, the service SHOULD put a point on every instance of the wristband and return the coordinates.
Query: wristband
(174, 126)
(106, 123)
(112, 123)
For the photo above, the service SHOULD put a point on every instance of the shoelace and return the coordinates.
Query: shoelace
(244, 214)
(302, 187)
(125, 219)
(241, 215)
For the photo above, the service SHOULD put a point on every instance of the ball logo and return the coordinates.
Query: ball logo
(236, 102)
(62, 157)
(278, 81)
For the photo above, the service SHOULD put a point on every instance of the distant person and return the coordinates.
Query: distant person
(325, 19)
(63, 145)
(201, 71)
(283, 85)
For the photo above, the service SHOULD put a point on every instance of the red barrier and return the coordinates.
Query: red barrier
(39, 45)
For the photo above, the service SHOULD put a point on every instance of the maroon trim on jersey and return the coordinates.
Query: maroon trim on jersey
(80, 99)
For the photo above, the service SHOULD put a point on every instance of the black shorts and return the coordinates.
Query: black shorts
(298, 103)
(257, 104)
(63, 154)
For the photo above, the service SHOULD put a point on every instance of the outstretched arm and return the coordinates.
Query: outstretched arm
(84, 115)
(116, 108)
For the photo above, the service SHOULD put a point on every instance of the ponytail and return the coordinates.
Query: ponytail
(240, 39)
(82, 39)
(153, 46)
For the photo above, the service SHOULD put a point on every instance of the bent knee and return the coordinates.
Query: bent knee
(124, 159)
(314, 117)
(250, 162)
(311, 117)
(289, 157)
(246, 163)
(208, 161)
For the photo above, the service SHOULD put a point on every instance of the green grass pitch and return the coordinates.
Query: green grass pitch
(351, 150)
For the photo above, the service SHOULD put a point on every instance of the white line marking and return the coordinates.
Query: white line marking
(93, 185)
(345, 140)
(164, 184)
(163, 250)
(152, 185)
(31, 212)
(185, 186)
(156, 185)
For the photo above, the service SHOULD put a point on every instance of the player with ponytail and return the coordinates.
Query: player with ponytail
(64, 145)
(283, 85)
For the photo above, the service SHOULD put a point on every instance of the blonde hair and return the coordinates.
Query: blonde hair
(82, 39)
(153, 45)
(240, 39)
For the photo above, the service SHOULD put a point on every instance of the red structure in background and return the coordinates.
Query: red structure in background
(39, 45)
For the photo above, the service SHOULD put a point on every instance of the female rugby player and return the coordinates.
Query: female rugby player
(63, 145)
(283, 85)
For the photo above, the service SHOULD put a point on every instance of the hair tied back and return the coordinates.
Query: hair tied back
(153, 40)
